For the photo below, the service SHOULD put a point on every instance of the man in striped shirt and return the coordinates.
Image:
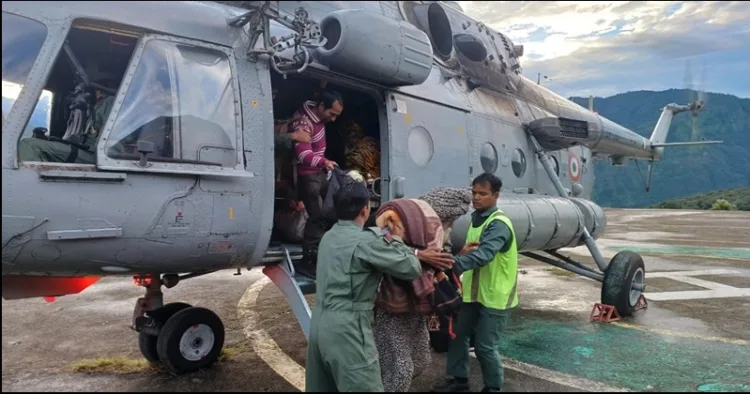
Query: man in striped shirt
(311, 178)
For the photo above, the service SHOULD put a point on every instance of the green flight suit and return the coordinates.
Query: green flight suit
(341, 352)
(35, 149)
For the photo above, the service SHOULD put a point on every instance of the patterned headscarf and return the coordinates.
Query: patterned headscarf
(449, 203)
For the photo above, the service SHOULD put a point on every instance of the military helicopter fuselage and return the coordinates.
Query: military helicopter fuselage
(179, 179)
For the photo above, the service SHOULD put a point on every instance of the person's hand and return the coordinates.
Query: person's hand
(300, 136)
(330, 164)
(469, 247)
(438, 260)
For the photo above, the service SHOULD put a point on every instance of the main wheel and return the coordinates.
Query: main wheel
(625, 270)
(190, 340)
(147, 342)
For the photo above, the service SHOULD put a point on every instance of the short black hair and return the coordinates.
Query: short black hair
(349, 200)
(329, 97)
(486, 178)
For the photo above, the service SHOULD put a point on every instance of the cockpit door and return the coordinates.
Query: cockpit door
(428, 147)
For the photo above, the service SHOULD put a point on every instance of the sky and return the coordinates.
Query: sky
(603, 48)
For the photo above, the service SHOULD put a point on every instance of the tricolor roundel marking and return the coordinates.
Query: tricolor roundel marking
(574, 167)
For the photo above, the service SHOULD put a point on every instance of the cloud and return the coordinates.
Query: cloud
(603, 48)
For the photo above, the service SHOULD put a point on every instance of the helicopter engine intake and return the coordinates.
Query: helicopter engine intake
(376, 48)
(542, 222)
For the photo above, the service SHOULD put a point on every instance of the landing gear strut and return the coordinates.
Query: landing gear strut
(624, 277)
(182, 337)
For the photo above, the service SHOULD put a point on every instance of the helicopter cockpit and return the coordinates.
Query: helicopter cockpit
(91, 67)
(92, 60)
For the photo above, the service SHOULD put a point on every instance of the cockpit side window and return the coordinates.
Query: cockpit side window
(22, 41)
(181, 99)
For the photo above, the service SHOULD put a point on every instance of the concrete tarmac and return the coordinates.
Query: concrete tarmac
(693, 336)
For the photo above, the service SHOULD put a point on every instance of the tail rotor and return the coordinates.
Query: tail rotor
(697, 98)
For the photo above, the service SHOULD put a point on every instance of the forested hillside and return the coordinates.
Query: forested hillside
(732, 199)
(684, 171)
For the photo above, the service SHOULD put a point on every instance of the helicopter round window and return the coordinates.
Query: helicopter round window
(488, 158)
(518, 162)
(420, 145)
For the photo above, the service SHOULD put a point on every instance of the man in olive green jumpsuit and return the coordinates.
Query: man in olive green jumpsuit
(35, 149)
(341, 352)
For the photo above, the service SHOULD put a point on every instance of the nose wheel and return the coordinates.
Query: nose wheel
(146, 341)
(190, 340)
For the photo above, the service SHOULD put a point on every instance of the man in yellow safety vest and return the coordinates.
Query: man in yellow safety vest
(489, 262)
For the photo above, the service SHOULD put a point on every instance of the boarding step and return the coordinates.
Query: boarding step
(277, 254)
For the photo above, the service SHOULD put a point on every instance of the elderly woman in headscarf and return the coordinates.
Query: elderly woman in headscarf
(403, 339)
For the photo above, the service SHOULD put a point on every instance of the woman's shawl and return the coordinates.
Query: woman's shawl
(422, 229)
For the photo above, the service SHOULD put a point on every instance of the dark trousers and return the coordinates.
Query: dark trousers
(312, 190)
(487, 325)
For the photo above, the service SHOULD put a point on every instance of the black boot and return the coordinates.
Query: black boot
(307, 265)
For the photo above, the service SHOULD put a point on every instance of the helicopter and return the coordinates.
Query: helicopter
(179, 182)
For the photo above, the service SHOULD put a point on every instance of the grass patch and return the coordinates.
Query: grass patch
(561, 272)
(232, 351)
(124, 365)
(120, 365)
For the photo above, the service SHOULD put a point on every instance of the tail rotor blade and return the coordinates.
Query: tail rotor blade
(687, 82)
(702, 96)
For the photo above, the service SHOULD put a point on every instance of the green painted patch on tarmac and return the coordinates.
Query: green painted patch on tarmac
(723, 388)
(725, 253)
(627, 358)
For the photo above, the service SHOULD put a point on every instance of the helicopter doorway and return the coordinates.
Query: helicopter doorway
(353, 141)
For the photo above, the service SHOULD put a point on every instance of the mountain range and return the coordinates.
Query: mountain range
(684, 170)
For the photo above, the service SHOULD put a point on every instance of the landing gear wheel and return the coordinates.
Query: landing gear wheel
(625, 270)
(147, 342)
(190, 340)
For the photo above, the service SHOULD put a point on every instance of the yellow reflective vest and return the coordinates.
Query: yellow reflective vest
(493, 285)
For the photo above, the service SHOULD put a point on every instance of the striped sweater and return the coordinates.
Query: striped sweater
(311, 156)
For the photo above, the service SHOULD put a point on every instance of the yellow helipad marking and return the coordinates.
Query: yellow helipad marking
(268, 351)
(265, 347)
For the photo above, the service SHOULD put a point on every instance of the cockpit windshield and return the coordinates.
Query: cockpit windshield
(22, 41)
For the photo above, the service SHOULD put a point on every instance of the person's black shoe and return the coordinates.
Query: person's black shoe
(452, 385)
(491, 390)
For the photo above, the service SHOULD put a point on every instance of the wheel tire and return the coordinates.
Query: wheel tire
(618, 279)
(147, 342)
(190, 330)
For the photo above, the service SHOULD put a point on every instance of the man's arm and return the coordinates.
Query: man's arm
(282, 142)
(304, 151)
(102, 113)
(391, 257)
(496, 238)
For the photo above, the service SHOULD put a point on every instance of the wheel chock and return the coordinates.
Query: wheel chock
(604, 313)
(642, 303)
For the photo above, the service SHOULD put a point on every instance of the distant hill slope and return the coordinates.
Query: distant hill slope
(684, 171)
(739, 198)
